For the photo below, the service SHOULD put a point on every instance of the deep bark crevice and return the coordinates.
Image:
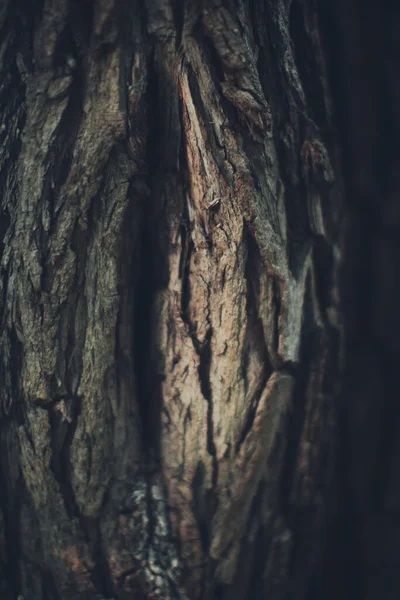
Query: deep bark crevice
(142, 320)
(100, 575)
(255, 331)
(81, 22)
(62, 435)
(187, 248)
(151, 273)
(178, 10)
(202, 506)
(304, 42)
(205, 355)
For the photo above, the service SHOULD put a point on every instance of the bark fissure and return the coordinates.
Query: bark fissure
(255, 334)
(63, 417)
(205, 356)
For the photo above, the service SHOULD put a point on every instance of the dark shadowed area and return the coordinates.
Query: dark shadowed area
(364, 51)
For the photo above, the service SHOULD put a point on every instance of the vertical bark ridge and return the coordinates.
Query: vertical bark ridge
(240, 169)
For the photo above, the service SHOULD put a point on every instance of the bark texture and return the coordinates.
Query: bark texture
(170, 349)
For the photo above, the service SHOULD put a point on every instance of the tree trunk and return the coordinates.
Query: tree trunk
(171, 344)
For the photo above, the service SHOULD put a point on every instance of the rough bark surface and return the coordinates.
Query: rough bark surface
(171, 208)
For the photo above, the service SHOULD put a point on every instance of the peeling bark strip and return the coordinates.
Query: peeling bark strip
(170, 202)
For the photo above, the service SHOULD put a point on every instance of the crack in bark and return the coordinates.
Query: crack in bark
(60, 450)
(205, 356)
(256, 331)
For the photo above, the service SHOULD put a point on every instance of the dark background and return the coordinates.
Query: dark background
(363, 48)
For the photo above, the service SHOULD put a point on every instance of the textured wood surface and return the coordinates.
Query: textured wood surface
(172, 209)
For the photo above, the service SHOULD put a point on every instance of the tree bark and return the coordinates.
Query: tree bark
(171, 344)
